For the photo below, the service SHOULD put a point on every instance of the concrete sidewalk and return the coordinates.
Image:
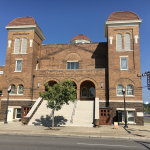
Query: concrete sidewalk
(132, 132)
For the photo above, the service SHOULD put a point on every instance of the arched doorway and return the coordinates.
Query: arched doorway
(87, 90)
(51, 83)
(74, 84)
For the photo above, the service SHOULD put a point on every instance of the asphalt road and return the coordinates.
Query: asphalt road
(22, 142)
(147, 118)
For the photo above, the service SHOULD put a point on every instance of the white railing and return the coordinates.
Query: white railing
(73, 113)
(33, 108)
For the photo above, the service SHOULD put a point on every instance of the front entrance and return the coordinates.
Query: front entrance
(25, 111)
(104, 115)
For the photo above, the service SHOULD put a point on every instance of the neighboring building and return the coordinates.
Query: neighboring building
(99, 70)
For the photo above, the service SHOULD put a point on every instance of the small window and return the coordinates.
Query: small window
(124, 63)
(1, 93)
(19, 65)
(18, 113)
(72, 65)
(17, 46)
(131, 116)
(12, 89)
(20, 89)
(127, 41)
(84, 92)
(119, 42)
(24, 45)
(119, 89)
(92, 92)
(129, 89)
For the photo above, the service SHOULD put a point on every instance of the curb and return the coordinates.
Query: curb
(73, 135)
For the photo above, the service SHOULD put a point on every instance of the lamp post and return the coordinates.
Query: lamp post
(123, 91)
(9, 90)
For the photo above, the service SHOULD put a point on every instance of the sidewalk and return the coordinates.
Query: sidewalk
(132, 132)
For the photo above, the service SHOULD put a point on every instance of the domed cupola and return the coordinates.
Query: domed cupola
(80, 38)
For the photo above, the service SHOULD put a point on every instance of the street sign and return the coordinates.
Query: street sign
(148, 81)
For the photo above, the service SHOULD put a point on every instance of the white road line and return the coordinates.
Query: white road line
(105, 145)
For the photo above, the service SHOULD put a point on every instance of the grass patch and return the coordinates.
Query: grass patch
(146, 121)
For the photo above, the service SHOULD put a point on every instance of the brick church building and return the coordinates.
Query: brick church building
(99, 71)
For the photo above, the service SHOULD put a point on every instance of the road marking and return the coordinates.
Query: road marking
(105, 145)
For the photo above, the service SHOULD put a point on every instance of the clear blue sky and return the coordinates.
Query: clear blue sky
(61, 20)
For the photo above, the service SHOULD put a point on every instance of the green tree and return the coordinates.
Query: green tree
(59, 94)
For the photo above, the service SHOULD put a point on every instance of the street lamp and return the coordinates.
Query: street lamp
(9, 90)
(123, 91)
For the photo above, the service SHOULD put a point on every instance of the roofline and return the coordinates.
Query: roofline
(35, 27)
(119, 23)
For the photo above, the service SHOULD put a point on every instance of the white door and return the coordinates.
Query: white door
(10, 114)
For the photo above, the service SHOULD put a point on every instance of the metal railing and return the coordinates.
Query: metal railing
(73, 113)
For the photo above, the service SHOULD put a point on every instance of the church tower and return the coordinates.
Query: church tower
(23, 49)
(122, 32)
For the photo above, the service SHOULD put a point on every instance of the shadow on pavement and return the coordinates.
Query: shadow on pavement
(139, 135)
(145, 144)
(47, 121)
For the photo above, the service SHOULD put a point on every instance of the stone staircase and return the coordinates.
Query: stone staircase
(84, 114)
(69, 115)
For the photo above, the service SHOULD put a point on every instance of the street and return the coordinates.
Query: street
(22, 142)
(147, 118)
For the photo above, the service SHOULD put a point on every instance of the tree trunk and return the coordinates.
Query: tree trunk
(53, 118)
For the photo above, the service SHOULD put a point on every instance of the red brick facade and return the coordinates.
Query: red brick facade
(99, 67)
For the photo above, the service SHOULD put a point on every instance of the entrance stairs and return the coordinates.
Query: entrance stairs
(74, 114)
(84, 114)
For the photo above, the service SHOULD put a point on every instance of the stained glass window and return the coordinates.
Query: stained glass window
(12, 89)
(84, 92)
(124, 63)
(72, 65)
(92, 92)
(20, 89)
(129, 89)
(119, 89)
(19, 65)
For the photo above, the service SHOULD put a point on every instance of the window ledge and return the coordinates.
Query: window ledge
(125, 95)
(130, 96)
(122, 50)
(17, 71)
(124, 69)
(16, 94)
(19, 53)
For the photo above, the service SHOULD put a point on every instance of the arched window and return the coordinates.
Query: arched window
(84, 92)
(119, 89)
(119, 42)
(129, 89)
(91, 92)
(24, 45)
(12, 89)
(20, 89)
(17, 45)
(127, 41)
